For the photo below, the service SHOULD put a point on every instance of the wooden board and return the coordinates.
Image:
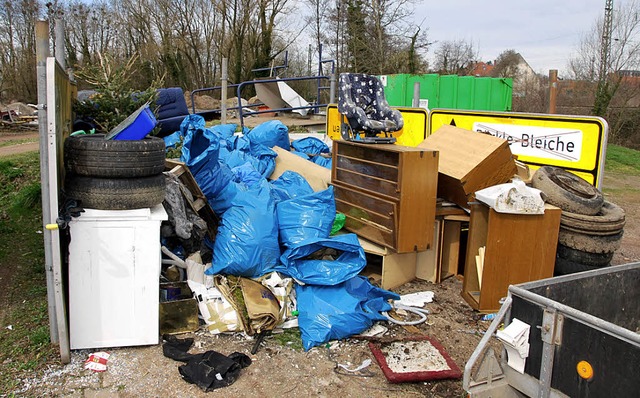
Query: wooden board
(197, 201)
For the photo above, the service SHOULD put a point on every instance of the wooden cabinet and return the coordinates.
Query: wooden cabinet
(507, 249)
(387, 192)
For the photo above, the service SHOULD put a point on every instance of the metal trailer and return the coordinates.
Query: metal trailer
(584, 339)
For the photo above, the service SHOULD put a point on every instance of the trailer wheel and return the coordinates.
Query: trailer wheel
(93, 156)
(567, 191)
(590, 243)
(582, 257)
(116, 193)
(566, 267)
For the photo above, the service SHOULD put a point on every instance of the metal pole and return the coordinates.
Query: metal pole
(416, 95)
(332, 88)
(59, 42)
(223, 106)
(42, 52)
(553, 90)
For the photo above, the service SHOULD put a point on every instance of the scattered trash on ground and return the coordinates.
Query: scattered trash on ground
(97, 361)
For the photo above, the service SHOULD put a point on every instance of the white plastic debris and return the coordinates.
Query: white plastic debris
(418, 299)
(515, 339)
(514, 197)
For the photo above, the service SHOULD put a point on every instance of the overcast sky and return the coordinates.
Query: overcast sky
(545, 32)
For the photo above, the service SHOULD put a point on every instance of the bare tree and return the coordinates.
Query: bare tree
(380, 38)
(624, 54)
(455, 57)
(17, 45)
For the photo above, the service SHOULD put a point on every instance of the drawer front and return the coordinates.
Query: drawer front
(368, 216)
(367, 182)
(376, 154)
(366, 167)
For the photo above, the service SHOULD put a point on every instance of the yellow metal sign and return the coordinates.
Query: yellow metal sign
(575, 143)
(413, 132)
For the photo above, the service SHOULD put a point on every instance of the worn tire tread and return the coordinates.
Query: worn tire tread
(116, 193)
(93, 156)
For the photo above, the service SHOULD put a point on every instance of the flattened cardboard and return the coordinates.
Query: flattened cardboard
(317, 176)
(469, 161)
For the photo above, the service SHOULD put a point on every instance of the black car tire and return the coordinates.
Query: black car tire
(116, 193)
(582, 257)
(590, 243)
(610, 218)
(93, 156)
(567, 191)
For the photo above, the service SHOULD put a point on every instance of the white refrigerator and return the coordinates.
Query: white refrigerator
(114, 269)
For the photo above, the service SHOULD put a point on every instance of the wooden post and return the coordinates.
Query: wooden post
(553, 90)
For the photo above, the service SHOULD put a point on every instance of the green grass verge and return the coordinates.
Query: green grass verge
(622, 160)
(24, 331)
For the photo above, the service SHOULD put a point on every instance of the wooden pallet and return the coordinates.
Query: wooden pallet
(199, 202)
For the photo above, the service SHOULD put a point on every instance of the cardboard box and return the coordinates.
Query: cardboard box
(469, 161)
(178, 309)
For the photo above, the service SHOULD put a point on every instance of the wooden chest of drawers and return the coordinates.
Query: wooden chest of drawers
(387, 192)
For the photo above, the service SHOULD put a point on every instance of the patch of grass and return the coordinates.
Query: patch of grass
(289, 338)
(622, 160)
(24, 332)
(28, 197)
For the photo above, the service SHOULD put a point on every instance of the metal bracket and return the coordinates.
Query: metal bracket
(557, 338)
(41, 107)
(548, 326)
(551, 329)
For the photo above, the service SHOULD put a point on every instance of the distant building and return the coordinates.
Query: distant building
(481, 69)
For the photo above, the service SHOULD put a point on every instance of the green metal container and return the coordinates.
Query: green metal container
(450, 91)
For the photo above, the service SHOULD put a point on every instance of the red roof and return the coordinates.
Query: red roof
(481, 69)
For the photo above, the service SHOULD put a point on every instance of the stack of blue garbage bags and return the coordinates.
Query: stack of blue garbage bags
(281, 225)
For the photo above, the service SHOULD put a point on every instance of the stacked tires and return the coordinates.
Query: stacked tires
(114, 174)
(591, 228)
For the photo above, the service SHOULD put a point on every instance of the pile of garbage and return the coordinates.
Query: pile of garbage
(277, 258)
(18, 114)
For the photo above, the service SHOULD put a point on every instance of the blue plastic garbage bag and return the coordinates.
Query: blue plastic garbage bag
(310, 146)
(247, 239)
(337, 312)
(247, 174)
(200, 152)
(262, 159)
(270, 134)
(225, 131)
(238, 142)
(322, 161)
(290, 185)
(308, 263)
(172, 140)
(191, 123)
(201, 146)
(306, 217)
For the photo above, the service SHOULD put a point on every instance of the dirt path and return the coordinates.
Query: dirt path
(19, 148)
(28, 142)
